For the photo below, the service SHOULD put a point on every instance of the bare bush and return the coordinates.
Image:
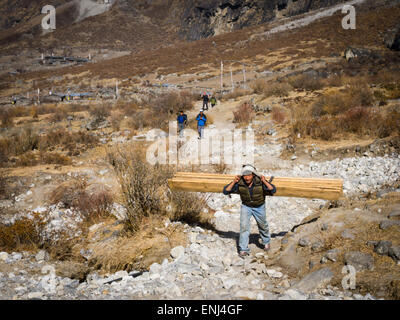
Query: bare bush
(142, 185)
(305, 82)
(23, 234)
(7, 118)
(100, 112)
(188, 207)
(95, 205)
(243, 113)
(278, 115)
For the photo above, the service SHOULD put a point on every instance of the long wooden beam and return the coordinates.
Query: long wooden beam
(329, 189)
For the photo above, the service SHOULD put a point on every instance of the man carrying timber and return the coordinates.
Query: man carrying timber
(252, 188)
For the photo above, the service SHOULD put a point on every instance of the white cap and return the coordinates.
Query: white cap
(248, 169)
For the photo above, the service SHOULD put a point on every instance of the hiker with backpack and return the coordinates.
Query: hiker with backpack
(213, 101)
(201, 122)
(252, 188)
(205, 100)
(182, 122)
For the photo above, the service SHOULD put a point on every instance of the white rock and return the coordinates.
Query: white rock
(274, 274)
(177, 252)
(42, 255)
(35, 295)
(296, 295)
(3, 256)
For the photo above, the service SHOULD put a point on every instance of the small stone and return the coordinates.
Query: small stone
(274, 274)
(332, 255)
(304, 242)
(324, 260)
(177, 252)
(348, 234)
(16, 256)
(295, 294)
(35, 295)
(324, 227)
(316, 246)
(382, 247)
(3, 256)
(394, 214)
(394, 252)
(42, 255)
(385, 224)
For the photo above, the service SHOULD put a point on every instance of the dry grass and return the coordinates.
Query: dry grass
(305, 82)
(24, 234)
(278, 115)
(151, 243)
(238, 92)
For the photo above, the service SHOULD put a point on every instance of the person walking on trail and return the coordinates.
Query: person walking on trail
(205, 100)
(252, 188)
(182, 122)
(201, 122)
(213, 101)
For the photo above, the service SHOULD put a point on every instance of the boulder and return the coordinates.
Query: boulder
(385, 224)
(392, 38)
(394, 252)
(314, 280)
(177, 252)
(382, 247)
(360, 261)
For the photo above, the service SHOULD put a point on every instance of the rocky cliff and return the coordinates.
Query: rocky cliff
(204, 18)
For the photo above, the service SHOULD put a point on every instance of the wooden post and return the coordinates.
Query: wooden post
(222, 71)
(233, 85)
(244, 77)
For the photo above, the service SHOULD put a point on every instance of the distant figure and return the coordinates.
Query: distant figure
(201, 122)
(213, 101)
(182, 121)
(205, 100)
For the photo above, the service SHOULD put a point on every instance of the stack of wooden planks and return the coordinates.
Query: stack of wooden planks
(329, 189)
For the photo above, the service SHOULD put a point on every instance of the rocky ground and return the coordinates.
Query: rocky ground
(209, 267)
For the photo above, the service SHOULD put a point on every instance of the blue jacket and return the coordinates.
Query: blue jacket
(182, 118)
(201, 121)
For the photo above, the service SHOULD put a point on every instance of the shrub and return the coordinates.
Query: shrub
(95, 205)
(305, 82)
(188, 207)
(243, 113)
(100, 112)
(59, 115)
(7, 118)
(141, 184)
(277, 89)
(259, 86)
(23, 234)
(278, 115)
